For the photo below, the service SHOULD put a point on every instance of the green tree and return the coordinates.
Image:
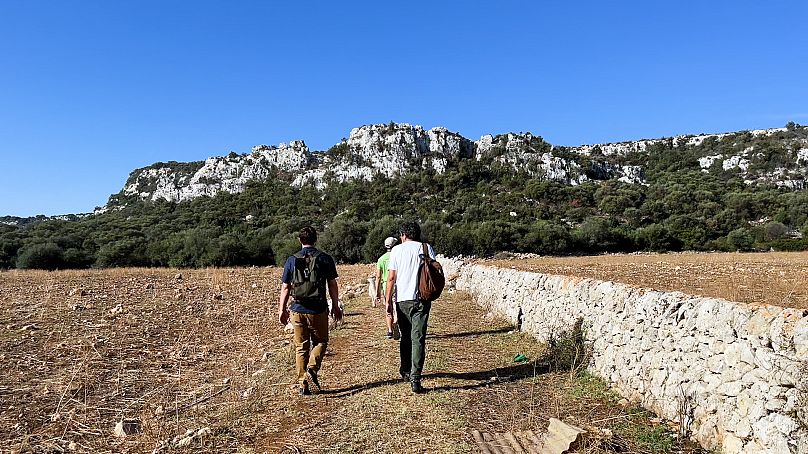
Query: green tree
(42, 256)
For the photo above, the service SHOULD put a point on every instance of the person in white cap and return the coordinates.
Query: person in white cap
(381, 285)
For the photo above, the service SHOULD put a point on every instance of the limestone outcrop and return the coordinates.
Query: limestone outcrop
(392, 149)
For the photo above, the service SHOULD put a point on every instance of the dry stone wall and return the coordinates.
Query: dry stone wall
(734, 373)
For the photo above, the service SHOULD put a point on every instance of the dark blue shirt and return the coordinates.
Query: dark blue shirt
(327, 269)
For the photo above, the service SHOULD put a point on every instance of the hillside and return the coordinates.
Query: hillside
(393, 150)
(509, 192)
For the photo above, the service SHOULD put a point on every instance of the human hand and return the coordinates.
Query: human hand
(283, 317)
(336, 312)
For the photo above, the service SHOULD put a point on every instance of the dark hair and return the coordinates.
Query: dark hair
(307, 236)
(411, 229)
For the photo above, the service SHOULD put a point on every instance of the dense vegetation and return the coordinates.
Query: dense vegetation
(476, 207)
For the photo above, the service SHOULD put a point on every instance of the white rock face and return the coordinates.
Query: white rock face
(395, 149)
(736, 161)
(742, 369)
(217, 174)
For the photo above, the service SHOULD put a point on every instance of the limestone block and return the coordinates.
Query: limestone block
(781, 331)
(743, 429)
(772, 430)
(800, 332)
(731, 444)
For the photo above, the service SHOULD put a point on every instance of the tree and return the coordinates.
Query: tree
(740, 240)
(344, 239)
(42, 256)
(774, 231)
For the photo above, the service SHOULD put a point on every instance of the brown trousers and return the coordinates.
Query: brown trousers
(311, 340)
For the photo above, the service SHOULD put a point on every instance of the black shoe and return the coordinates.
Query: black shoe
(314, 380)
(405, 376)
(417, 388)
(303, 390)
(389, 334)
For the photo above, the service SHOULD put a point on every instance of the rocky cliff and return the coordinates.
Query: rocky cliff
(394, 149)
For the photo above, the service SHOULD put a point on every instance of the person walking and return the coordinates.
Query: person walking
(381, 287)
(306, 275)
(413, 312)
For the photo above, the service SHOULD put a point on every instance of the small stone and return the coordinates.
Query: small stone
(159, 410)
(732, 444)
(149, 286)
(116, 310)
(259, 372)
(178, 277)
(72, 446)
(127, 427)
(248, 392)
(226, 381)
(266, 356)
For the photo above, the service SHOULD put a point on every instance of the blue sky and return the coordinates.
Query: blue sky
(91, 90)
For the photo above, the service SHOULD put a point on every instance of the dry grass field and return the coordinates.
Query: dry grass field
(197, 362)
(777, 278)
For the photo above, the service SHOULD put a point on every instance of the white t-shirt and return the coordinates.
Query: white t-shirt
(405, 259)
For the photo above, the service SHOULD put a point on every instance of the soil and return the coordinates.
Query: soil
(195, 360)
(776, 278)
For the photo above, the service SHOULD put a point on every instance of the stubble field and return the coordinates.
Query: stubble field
(194, 360)
(776, 278)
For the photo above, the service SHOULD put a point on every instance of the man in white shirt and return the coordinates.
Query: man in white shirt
(413, 313)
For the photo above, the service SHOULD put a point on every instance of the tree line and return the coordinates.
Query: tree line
(474, 208)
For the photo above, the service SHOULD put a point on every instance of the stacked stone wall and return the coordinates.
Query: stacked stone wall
(734, 373)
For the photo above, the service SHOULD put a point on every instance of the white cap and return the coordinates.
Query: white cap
(389, 242)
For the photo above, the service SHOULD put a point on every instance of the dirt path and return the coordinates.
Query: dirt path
(471, 379)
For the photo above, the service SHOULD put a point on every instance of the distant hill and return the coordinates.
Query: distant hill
(509, 192)
(396, 149)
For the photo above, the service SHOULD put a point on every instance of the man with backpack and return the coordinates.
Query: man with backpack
(412, 308)
(306, 275)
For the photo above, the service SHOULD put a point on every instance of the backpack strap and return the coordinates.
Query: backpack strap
(424, 261)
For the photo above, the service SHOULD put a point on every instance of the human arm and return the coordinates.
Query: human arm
(283, 312)
(333, 292)
(378, 284)
(388, 297)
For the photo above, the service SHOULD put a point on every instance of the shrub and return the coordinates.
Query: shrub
(740, 240)
(43, 256)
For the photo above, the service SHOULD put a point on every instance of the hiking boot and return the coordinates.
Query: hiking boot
(417, 388)
(303, 390)
(405, 376)
(389, 334)
(314, 380)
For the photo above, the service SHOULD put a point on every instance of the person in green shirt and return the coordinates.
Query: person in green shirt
(381, 284)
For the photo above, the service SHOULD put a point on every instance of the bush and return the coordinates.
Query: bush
(344, 240)
(740, 240)
(44, 256)
(374, 241)
(774, 231)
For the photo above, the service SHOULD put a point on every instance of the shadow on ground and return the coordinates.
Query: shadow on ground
(482, 378)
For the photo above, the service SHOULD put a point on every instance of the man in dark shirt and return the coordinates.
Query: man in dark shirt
(306, 275)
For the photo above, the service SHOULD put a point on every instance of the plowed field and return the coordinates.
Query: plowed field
(195, 361)
(777, 278)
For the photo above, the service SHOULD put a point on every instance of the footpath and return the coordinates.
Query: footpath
(480, 375)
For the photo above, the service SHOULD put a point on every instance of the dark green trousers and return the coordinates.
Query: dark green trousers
(412, 319)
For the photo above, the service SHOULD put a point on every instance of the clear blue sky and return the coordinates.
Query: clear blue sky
(91, 90)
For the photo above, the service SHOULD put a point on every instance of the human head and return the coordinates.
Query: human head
(411, 230)
(307, 236)
(389, 242)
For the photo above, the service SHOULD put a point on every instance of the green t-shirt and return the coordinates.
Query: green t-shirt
(381, 265)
